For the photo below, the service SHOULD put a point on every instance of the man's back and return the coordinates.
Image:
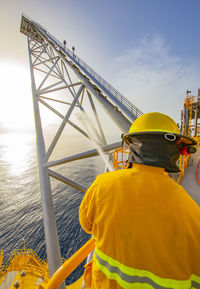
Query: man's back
(147, 230)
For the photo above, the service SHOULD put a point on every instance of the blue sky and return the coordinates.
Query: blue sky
(147, 49)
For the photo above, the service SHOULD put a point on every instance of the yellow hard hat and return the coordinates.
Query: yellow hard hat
(156, 123)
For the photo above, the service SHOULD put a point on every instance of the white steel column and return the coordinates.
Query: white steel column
(51, 235)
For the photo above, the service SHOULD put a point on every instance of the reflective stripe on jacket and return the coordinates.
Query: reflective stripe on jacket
(147, 230)
(130, 278)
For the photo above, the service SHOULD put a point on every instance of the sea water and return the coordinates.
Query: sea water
(20, 199)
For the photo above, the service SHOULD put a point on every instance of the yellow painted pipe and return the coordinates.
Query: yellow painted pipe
(70, 265)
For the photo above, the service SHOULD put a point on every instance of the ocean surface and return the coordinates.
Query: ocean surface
(20, 200)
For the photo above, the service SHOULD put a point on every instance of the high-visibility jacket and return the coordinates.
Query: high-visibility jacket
(147, 230)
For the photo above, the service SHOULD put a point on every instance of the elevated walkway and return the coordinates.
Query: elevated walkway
(189, 181)
(38, 33)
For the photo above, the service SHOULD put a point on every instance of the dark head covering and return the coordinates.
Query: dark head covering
(154, 150)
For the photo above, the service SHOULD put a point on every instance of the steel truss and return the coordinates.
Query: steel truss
(53, 71)
(43, 59)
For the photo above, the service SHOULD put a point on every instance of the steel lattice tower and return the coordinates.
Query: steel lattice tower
(54, 68)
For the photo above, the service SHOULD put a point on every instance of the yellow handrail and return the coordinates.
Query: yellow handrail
(25, 252)
(183, 160)
(68, 267)
(182, 165)
(122, 164)
(197, 138)
(1, 257)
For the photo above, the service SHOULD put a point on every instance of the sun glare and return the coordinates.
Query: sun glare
(17, 152)
(16, 104)
(16, 108)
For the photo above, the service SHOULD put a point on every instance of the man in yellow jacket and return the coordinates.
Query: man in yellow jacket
(146, 227)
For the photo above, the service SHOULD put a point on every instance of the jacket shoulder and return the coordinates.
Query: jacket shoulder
(110, 176)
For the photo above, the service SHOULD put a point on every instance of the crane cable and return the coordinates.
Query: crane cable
(196, 172)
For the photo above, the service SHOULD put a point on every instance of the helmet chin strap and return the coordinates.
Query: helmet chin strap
(154, 151)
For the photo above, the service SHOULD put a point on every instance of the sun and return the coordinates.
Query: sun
(16, 106)
(16, 109)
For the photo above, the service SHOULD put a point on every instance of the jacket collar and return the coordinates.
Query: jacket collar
(152, 169)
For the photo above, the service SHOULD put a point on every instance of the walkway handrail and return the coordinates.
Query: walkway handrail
(24, 252)
(121, 98)
(72, 263)
(196, 172)
(183, 164)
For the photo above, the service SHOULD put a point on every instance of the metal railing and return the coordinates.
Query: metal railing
(1, 257)
(123, 100)
(183, 162)
(1, 254)
(192, 99)
(70, 265)
(197, 138)
(197, 172)
(25, 253)
(120, 161)
(120, 157)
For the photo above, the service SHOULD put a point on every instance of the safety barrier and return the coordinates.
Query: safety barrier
(118, 158)
(26, 258)
(196, 172)
(120, 163)
(1, 254)
(183, 162)
(197, 138)
(1, 257)
(72, 263)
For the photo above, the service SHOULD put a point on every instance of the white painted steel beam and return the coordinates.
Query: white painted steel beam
(58, 134)
(97, 119)
(44, 61)
(51, 235)
(62, 116)
(67, 181)
(36, 68)
(118, 118)
(83, 155)
(38, 56)
(55, 100)
(47, 90)
(47, 75)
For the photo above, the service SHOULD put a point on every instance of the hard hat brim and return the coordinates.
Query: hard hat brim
(180, 138)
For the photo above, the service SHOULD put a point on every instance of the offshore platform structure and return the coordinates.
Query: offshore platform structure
(190, 116)
(57, 72)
